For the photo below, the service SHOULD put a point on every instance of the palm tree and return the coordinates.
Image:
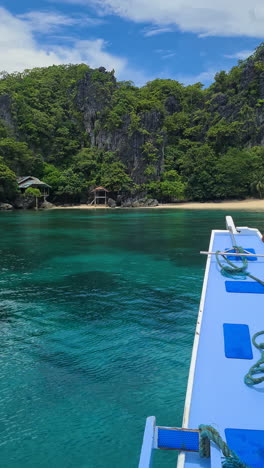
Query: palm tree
(257, 185)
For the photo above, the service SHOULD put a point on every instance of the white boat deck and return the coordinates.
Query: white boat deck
(217, 394)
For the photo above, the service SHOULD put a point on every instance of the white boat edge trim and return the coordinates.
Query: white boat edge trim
(188, 398)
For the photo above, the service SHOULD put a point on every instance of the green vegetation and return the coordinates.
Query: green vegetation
(8, 185)
(34, 192)
(76, 128)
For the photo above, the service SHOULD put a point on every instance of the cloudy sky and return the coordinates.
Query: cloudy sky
(187, 40)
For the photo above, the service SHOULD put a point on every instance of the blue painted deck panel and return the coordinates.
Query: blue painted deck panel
(220, 396)
(248, 445)
(183, 440)
(237, 341)
(242, 287)
(233, 257)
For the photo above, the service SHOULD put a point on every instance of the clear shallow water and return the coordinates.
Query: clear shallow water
(97, 313)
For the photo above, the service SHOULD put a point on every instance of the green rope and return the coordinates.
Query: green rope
(230, 460)
(257, 368)
(231, 270)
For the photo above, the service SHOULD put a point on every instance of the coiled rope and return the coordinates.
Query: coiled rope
(209, 433)
(230, 459)
(231, 270)
(257, 368)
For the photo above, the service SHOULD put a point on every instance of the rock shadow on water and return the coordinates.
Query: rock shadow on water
(86, 296)
(71, 286)
(96, 280)
(80, 296)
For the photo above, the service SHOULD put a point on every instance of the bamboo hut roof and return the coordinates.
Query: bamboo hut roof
(99, 189)
(30, 181)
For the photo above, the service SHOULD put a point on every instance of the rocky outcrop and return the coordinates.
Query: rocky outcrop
(94, 100)
(6, 111)
(93, 97)
(6, 207)
(139, 202)
(46, 205)
(111, 203)
(172, 105)
(28, 202)
(25, 202)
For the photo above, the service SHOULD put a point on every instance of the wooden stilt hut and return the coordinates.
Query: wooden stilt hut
(100, 196)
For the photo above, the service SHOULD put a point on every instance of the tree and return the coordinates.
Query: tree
(33, 192)
(86, 162)
(114, 177)
(257, 185)
(170, 188)
(223, 135)
(234, 172)
(198, 166)
(51, 175)
(257, 177)
(71, 186)
(19, 157)
(8, 183)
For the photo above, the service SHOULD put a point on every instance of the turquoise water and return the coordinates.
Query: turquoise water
(97, 310)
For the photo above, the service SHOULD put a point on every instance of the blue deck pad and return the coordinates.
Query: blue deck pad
(244, 287)
(237, 341)
(234, 258)
(248, 445)
(178, 440)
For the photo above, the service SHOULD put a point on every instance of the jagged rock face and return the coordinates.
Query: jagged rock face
(25, 202)
(139, 202)
(93, 101)
(261, 86)
(129, 146)
(172, 104)
(6, 111)
(248, 74)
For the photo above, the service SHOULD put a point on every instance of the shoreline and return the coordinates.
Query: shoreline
(247, 205)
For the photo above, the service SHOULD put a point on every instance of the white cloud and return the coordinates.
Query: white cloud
(203, 17)
(155, 30)
(48, 21)
(165, 53)
(241, 55)
(20, 50)
(170, 55)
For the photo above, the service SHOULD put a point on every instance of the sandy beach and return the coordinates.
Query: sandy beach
(248, 205)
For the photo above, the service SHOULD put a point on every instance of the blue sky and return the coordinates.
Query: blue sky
(186, 40)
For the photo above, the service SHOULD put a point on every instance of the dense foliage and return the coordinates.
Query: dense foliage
(76, 128)
(8, 185)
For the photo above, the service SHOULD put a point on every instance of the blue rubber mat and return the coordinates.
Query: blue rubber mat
(244, 287)
(178, 440)
(237, 341)
(248, 444)
(235, 258)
